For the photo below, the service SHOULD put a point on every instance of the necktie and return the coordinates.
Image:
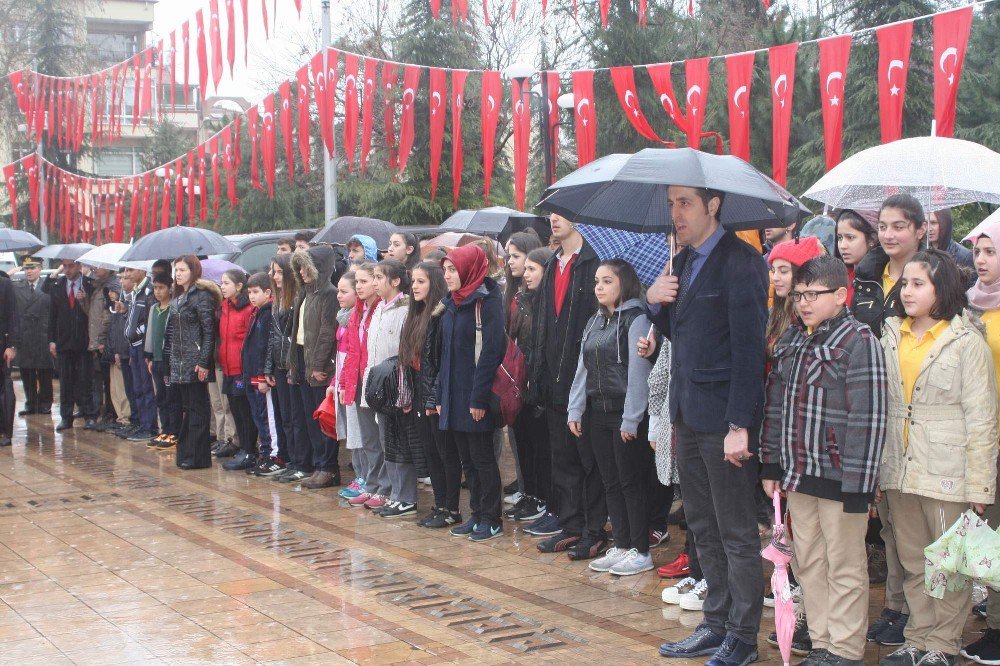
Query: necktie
(72, 295)
(685, 285)
(32, 284)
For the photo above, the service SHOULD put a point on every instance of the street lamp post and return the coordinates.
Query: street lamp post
(522, 73)
(329, 161)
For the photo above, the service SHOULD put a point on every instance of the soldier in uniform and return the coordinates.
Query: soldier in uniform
(33, 357)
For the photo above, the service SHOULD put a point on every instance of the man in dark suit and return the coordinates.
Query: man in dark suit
(68, 341)
(713, 308)
(9, 336)
(33, 358)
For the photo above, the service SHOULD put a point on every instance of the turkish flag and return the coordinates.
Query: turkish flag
(30, 164)
(213, 160)
(17, 83)
(623, 79)
(332, 57)
(350, 107)
(119, 211)
(133, 211)
(213, 6)
(491, 96)
(246, 30)
(146, 101)
(230, 35)
(435, 9)
(178, 191)
(367, 110)
(173, 72)
(228, 165)
(185, 46)
(781, 61)
(696, 77)
(521, 119)
(237, 147)
(158, 90)
(458, 77)
(605, 6)
(263, 13)
(411, 84)
(584, 116)
(459, 10)
(253, 117)
(552, 83)
(166, 191)
(269, 138)
(202, 52)
(285, 93)
(893, 64)
(739, 79)
(202, 184)
(834, 54)
(390, 79)
(11, 180)
(302, 78)
(136, 92)
(319, 93)
(436, 92)
(192, 180)
(951, 35)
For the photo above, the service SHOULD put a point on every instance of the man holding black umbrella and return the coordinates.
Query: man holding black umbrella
(69, 341)
(713, 308)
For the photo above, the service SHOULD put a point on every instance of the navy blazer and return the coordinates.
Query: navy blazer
(718, 339)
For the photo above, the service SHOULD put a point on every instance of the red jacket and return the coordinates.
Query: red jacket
(233, 327)
(356, 348)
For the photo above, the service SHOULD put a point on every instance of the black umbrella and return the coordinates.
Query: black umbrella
(178, 241)
(340, 230)
(630, 191)
(496, 221)
(71, 251)
(12, 240)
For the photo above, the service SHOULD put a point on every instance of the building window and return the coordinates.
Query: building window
(115, 163)
(111, 48)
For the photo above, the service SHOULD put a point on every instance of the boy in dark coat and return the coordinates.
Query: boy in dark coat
(255, 350)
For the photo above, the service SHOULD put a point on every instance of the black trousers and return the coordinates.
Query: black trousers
(168, 400)
(194, 443)
(531, 434)
(660, 497)
(76, 377)
(324, 449)
(443, 462)
(37, 384)
(475, 449)
(721, 510)
(102, 407)
(577, 489)
(246, 429)
(299, 446)
(288, 420)
(7, 400)
(624, 468)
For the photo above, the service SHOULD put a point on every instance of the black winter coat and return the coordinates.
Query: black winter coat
(138, 313)
(191, 333)
(426, 384)
(69, 327)
(321, 308)
(871, 305)
(257, 343)
(33, 310)
(279, 341)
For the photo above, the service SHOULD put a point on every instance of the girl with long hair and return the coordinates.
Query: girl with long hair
(855, 239)
(291, 428)
(404, 248)
(233, 325)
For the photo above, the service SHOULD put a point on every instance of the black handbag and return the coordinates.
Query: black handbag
(382, 387)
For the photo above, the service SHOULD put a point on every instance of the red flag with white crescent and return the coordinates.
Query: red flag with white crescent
(237, 147)
(332, 58)
(490, 99)
(389, 81)
(216, 35)
(458, 77)
(318, 67)
(202, 49)
(166, 192)
(437, 91)
(202, 183)
(147, 202)
(230, 35)
(521, 119)
(834, 55)
(623, 79)
(17, 83)
(302, 90)
(133, 210)
(263, 13)
(158, 89)
(11, 180)
(146, 100)
(781, 62)
(893, 65)
(173, 72)
(228, 164)
(244, 8)
(553, 83)
(30, 164)
(350, 107)
(951, 36)
(178, 191)
(213, 160)
(192, 180)
(119, 211)
(411, 84)
(285, 93)
(185, 47)
(739, 81)
(584, 116)
(696, 97)
(253, 117)
(269, 140)
(367, 110)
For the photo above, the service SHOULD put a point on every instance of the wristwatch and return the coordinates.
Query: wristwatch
(735, 428)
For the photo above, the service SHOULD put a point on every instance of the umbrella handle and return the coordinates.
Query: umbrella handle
(673, 250)
(776, 500)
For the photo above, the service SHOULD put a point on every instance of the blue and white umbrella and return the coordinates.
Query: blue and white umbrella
(648, 253)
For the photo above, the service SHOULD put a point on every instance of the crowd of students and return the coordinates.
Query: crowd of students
(869, 380)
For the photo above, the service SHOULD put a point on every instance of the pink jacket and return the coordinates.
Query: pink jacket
(355, 346)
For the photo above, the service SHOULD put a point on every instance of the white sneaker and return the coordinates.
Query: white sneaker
(424, 480)
(612, 557)
(695, 599)
(513, 498)
(633, 563)
(673, 594)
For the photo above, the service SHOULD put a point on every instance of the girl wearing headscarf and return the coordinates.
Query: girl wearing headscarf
(472, 336)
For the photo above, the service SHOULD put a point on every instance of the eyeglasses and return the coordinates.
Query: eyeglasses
(809, 296)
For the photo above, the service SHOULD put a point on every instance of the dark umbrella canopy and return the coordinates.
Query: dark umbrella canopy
(70, 252)
(12, 240)
(340, 230)
(179, 241)
(496, 221)
(630, 191)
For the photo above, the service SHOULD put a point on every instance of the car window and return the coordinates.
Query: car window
(256, 258)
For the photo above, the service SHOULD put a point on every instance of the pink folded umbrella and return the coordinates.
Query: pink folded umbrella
(779, 551)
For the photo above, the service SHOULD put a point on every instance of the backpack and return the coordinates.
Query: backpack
(510, 379)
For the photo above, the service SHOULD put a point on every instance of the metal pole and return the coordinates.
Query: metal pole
(544, 125)
(43, 234)
(329, 163)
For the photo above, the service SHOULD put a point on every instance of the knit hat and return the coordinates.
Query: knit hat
(796, 251)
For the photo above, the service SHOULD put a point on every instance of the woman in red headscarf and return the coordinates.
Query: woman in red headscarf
(472, 347)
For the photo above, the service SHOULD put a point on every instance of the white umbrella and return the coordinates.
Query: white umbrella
(938, 171)
(105, 256)
(992, 218)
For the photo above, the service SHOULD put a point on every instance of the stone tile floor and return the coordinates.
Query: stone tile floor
(111, 555)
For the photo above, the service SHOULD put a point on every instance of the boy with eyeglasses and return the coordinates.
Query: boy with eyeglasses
(821, 442)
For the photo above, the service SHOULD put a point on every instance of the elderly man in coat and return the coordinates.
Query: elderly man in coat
(33, 357)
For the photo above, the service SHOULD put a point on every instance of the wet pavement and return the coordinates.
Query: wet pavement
(109, 554)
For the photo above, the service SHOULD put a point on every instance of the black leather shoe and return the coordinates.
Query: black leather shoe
(90, 424)
(702, 642)
(64, 425)
(733, 652)
(26, 412)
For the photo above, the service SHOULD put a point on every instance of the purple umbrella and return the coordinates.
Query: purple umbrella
(212, 269)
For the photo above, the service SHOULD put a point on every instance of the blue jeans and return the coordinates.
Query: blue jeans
(142, 388)
(258, 411)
